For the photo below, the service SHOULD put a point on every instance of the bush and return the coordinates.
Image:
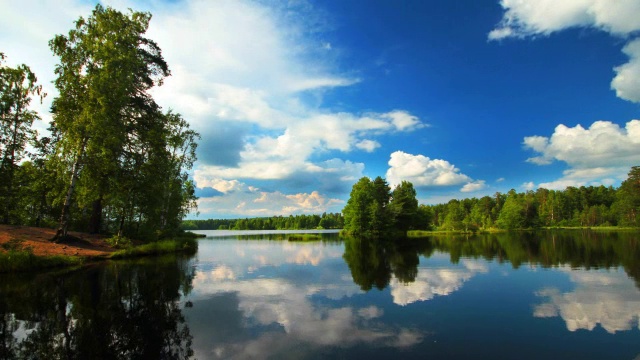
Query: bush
(119, 242)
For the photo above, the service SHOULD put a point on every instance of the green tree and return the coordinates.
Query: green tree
(17, 86)
(107, 122)
(404, 206)
(455, 214)
(357, 212)
(378, 209)
(627, 204)
(512, 215)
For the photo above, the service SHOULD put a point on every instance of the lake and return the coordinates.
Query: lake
(544, 295)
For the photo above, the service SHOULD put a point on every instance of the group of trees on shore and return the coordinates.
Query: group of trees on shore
(374, 211)
(113, 161)
(291, 222)
(584, 206)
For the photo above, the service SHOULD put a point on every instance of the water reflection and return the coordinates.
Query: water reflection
(283, 306)
(599, 298)
(375, 263)
(327, 299)
(123, 310)
(434, 281)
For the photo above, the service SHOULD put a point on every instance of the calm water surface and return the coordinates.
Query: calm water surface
(252, 296)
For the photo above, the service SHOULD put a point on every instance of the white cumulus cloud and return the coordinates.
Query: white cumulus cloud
(253, 202)
(524, 18)
(474, 186)
(248, 75)
(626, 83)
(600, 154)
(423, 171)
(527, 18)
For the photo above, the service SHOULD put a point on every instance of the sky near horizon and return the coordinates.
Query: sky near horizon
(296, 100)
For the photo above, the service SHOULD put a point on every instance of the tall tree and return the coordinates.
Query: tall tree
(106, 68)
(358, 209)
(627, 204)
(404, 206)
(512, 215)
(17, 86)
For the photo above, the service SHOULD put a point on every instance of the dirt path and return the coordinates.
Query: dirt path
(38, 239)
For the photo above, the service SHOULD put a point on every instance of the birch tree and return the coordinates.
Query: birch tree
(105, 71)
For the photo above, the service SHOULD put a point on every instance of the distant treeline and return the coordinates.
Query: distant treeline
(291, 222)
(584, 206)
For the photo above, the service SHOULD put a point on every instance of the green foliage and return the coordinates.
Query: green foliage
(586, 206)
(17, 86)
(404, 207)
(627, 205)
(185, 244)
(373, 211)
(357, 212)
(119, 242)
(17, 260)
(304, 237)
(115, 162)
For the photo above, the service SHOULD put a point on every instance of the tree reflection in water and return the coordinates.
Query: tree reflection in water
(374, 262)
(122, 310)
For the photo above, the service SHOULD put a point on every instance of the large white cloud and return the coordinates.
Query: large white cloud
(626, 83)
(423, 171)
(542, 17)
(603, 153)
(253, 202)
(526, 18)
(260, 77)
(252, 71)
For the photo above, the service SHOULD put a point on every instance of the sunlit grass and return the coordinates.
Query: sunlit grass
(25, 260)
(305, 237)
(186, 245)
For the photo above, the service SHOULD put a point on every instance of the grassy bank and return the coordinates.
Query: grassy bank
(23, 260)
(424, 233)
(304, 237)
(188, 245)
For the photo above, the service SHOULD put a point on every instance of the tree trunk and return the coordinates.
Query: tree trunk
(95, 222)
(63, 227)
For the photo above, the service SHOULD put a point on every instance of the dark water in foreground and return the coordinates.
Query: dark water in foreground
(507, 296)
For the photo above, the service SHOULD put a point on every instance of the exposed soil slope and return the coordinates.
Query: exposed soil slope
(38, 239)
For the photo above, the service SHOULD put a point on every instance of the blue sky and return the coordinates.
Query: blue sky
(297, 100)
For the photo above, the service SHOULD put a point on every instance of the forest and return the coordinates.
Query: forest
(585, 206)
(373, 210)
(112, 161)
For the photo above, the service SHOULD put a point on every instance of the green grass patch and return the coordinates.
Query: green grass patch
(25, 260)
(185, 245)
(304, 237)
(423, 233)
